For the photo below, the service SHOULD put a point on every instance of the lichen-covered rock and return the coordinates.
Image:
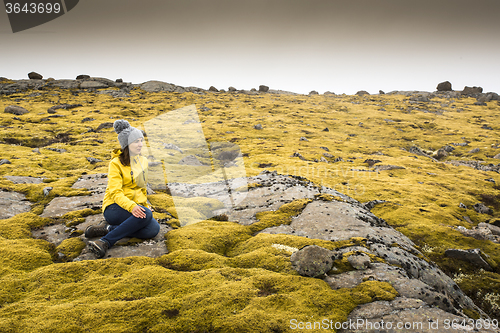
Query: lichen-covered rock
(482, 208)
(15, 109)
(359, 261)
(12, 203)
(473, 256)
(313, 261)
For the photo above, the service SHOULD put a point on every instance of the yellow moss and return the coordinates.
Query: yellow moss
(281, 216)
(71, 247)
(209, 236)
(81, 213)
(161, 200)
(103, 297)
(20, 225)
(24, 254)
(325, 197)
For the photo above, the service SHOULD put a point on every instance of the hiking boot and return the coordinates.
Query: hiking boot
(96, 230)
(99, 247)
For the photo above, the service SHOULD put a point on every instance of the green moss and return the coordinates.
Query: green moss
(24, 254)
(103, 298)
(20, 226)
(325, 197)
(71, 247)
(281, 216)
(209, 236)
(81, 213)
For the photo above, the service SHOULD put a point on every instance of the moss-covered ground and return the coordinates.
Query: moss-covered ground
(220, 276)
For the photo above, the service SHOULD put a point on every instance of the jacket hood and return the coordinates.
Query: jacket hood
(116, 152)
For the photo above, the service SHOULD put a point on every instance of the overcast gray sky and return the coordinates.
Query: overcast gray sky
(339, 46)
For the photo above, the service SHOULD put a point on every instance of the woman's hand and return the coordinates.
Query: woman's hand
(139, 212)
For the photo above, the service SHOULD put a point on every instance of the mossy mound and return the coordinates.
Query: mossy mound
(134, 295)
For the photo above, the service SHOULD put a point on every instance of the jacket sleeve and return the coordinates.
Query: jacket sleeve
(115, 187)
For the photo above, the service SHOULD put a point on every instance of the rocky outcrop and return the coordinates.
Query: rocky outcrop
(444, 86)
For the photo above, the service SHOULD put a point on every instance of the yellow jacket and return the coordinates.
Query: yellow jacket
(126, 184)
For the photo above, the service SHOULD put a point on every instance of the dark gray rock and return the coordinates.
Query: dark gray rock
(482, 208)
(93, 160)
(263, 88)
(83, 77)
(232, 89)
(312, 261)
(441, 153)
(103, 126)
(461, 205)
(313, 92)
(448, 148)
(472, 91)
(444, 86)
(258, 127)
(213, 89)
(473, 256)
(303, 138)
(15, 109)
(57, 150)
(326, 129)
(362, 92)
(299, 155)
(4, 161)
(370, 204)
(473, 151)
(35, 76)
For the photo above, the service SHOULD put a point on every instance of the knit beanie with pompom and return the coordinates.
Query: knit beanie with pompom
(126, 133)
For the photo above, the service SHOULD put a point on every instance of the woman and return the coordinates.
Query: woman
(125, 204)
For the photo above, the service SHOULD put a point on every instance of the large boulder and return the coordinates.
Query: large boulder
(263, 88)
(156, 86)
(444, 86)
(35, 76)
(312, 261)
(471, 91)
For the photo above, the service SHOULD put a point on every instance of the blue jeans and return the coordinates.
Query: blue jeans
(124, 224)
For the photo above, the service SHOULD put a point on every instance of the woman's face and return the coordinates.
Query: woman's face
(135, 147)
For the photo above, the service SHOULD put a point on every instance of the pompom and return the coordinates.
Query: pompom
(120, 125)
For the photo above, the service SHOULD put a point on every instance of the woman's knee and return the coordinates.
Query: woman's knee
(149, 214)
